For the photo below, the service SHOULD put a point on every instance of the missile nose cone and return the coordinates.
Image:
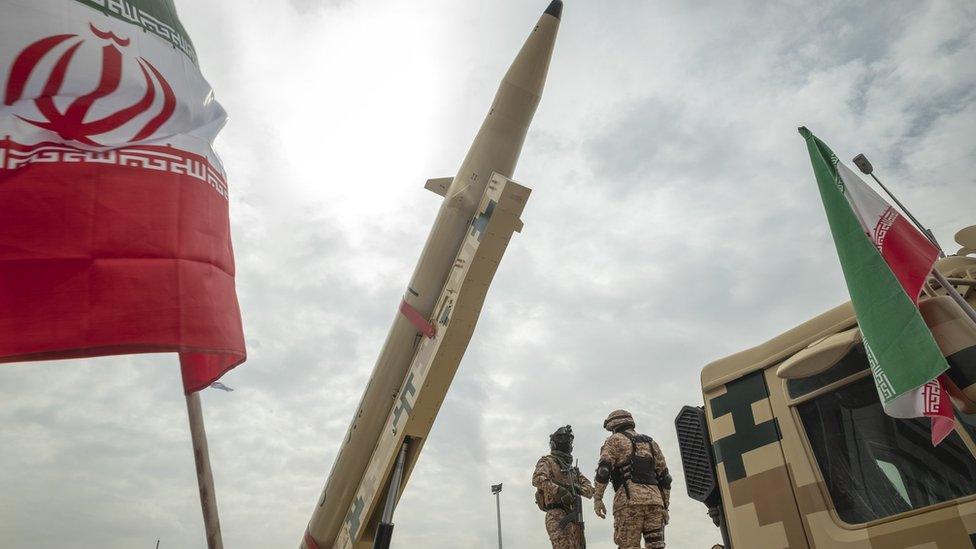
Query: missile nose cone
(555, 8)
(528, 70)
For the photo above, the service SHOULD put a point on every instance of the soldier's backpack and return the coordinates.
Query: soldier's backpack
(642, 467)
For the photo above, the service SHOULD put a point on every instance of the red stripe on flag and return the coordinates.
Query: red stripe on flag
(907, 251)
(938, 408)
(111, 255)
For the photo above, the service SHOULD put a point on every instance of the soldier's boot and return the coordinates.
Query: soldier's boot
(654, 539)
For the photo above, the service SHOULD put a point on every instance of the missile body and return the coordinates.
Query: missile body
(496, 149)
(433, 366)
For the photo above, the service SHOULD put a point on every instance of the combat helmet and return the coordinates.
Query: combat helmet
(562, 439)
(619, 420)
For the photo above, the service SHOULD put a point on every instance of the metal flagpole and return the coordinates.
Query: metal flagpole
(866, 168)
(201, 456)
(497, 490)
(951, 290)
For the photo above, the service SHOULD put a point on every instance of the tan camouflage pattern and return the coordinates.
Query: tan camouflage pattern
(758, 507)
(569, 537)
(618, 418)
(782, 501)
(641, 513)
(633, 522)
(548, 477)
(616, 450)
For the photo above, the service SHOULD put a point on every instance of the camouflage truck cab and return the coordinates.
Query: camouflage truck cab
(792, 448)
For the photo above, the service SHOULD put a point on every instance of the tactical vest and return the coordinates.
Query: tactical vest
(637, 469)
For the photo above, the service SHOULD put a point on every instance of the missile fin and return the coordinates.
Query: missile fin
(436, 358)
(519, 225)
(439, 185)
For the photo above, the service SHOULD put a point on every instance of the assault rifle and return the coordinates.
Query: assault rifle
(576, 513)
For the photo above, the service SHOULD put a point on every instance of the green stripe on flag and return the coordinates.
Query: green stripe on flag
(154, 16)
(900, 347)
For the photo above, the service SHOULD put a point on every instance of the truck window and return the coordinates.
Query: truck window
(852, 363)
(876, 466)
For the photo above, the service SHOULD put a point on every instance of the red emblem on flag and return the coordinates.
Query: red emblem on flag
(125, 248)
(71, 124)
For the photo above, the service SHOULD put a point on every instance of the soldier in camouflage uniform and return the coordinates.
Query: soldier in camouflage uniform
(635, 465)
(554, 473)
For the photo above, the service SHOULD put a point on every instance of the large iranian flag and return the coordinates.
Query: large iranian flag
(885, 262)
(114, 230)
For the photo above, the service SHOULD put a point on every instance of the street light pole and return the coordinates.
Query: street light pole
(497, 490)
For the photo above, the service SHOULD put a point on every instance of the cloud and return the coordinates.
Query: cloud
(306, 6)
(674, 220)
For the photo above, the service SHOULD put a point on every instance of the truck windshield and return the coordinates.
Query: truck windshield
(875, 466)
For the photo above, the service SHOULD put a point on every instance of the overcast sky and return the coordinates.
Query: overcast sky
(674, 220)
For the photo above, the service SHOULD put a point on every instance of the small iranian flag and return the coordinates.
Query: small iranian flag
(885, 262)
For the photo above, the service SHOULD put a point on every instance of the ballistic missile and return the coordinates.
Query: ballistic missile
(480, 210)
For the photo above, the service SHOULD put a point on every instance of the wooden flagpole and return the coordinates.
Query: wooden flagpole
(201, 456)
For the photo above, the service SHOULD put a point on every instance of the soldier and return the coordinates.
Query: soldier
(635, 466)
(556, 481)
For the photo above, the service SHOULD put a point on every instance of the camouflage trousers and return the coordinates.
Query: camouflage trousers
(570, 537)
(630, 522)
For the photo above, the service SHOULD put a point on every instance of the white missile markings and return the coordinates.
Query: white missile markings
(404, 405)
(458, 226)
(437, 359)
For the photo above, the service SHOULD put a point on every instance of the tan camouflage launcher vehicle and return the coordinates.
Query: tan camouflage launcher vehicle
(792, 448)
